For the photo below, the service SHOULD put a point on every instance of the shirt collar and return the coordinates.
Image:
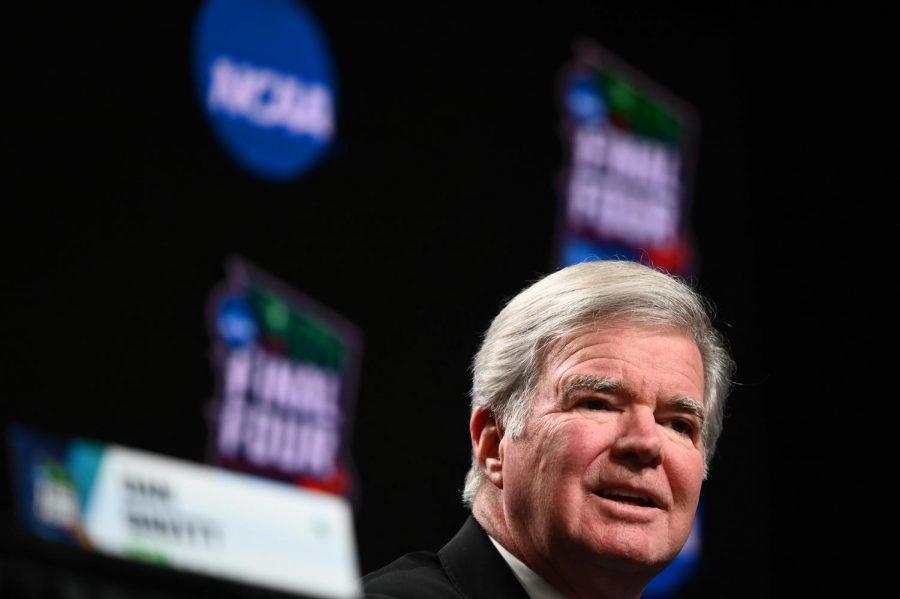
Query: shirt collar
(535, 585)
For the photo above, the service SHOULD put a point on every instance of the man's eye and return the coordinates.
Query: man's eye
(594, 404)
(682, 426)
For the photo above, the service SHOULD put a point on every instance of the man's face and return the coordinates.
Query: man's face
(609, 468)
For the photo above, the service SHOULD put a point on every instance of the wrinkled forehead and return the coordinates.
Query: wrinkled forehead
(550, 346)
(555, 348)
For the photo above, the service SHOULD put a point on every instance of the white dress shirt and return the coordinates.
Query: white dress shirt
(535, 586)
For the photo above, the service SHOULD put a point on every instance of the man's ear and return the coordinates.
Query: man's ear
(486, 435)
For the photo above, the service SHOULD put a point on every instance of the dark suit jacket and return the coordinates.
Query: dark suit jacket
(468, 566)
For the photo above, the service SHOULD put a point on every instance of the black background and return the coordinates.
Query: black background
(437, 203)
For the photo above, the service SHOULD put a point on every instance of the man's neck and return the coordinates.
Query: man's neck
(591, 581)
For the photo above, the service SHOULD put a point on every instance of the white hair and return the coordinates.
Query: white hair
(509, 362)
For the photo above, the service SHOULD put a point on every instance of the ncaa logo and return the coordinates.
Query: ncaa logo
(265, 80)
(235, 321)
(585, 102)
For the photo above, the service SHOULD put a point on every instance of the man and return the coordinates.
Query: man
(597, 399)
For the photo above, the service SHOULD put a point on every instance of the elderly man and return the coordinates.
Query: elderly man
(597, 400)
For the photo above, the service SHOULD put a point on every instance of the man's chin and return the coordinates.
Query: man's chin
(633, 553)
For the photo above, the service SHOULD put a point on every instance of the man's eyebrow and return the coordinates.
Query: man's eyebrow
(690, 405)
(587, 382)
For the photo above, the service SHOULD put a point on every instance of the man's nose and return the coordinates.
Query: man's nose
(638, 440)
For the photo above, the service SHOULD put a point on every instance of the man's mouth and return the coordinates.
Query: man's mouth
(627, 496)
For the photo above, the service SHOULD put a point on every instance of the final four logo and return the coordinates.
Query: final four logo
(286, 372)
(630, 148)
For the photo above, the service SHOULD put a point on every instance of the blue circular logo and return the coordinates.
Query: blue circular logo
(266, 83)
(235, 321)
(585, 101)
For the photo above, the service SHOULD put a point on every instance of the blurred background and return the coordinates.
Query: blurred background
(437, 200)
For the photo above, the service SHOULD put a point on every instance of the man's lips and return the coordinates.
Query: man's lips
(631, 495)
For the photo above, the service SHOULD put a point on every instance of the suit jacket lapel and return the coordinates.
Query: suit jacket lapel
(475, 568)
